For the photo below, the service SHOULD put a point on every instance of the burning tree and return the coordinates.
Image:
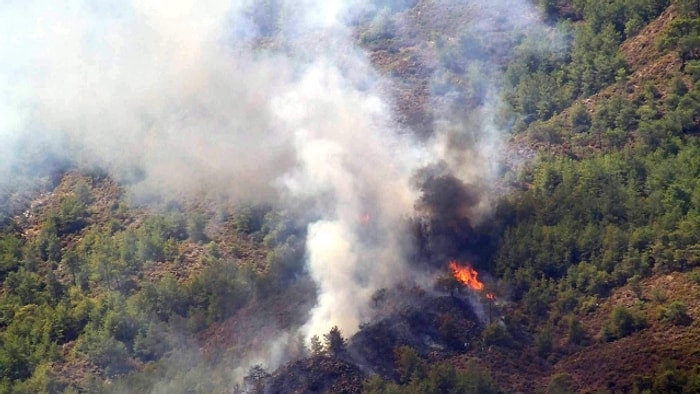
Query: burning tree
(469, 277)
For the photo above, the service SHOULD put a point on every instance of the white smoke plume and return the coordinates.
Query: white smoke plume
(349, 156)
(184, 96)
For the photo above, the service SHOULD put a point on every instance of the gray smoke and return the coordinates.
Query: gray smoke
(254, 100)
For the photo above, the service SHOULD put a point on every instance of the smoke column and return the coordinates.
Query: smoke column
(185, 96)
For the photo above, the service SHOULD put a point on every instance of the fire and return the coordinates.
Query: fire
(470, 278)
(365, 219)
(467, 276)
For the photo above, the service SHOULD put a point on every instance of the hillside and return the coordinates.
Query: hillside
(552, 175)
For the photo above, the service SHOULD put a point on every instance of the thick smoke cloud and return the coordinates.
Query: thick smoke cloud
(181, 96)
(254, 100)
(346, 148)
(152, 88)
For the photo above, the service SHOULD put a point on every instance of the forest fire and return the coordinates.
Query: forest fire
(469, 277)
(466, 275)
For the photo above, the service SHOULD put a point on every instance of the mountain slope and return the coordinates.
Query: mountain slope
(588, 252)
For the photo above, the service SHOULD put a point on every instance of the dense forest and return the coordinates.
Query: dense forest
(591, 248)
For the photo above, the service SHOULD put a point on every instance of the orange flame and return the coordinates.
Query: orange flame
(365, 219)
(466, 275)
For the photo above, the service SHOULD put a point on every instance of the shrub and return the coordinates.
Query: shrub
(543, 342)
(676, 313)
(694, 277)
(622, 322)
(658, 296)
(196, 223)
(105, 351)
(152, 342)
(560, 383)
(496, 334)
(635, 285)
(475, 379)
(408, 363)
(575, 333)
(580, 118)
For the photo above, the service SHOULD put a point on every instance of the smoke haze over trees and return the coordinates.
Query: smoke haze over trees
(267, 102)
